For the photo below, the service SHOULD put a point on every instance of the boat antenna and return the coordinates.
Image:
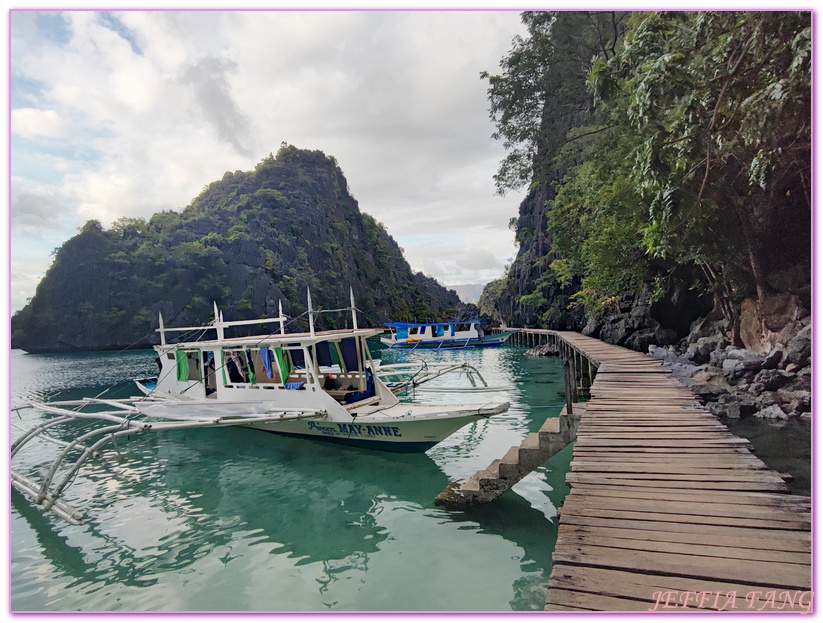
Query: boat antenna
(353, 309)
(162, 329)
(310, 312)
(280, 312)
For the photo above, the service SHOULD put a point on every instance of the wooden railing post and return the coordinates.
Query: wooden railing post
(567, 383)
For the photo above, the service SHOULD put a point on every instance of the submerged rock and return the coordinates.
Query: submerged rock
(543, 350)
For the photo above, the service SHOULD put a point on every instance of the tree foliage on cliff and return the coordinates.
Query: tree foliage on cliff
(246, 242)
(696, 152)
(539, 103)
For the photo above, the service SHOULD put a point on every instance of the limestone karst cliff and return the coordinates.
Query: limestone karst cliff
(246, 242)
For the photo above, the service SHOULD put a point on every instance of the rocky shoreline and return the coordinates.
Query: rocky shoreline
(738, 383)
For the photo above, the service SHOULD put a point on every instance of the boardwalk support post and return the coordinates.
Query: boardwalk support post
(567, 381)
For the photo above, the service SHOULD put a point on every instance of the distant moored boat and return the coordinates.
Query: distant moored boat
(441, 335)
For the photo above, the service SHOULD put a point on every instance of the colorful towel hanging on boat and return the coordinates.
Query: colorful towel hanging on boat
(182, 362)
(265, 355)
(283, 363)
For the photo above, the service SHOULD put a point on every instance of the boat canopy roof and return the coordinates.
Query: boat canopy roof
(278, 339)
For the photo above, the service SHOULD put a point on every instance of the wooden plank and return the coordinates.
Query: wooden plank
(768, 487)
(762, 549)
(713, 509)
(571, 539)
(675, 467)
(608, 462)
(616, 451)
(706, 475)
(576, 600)
(796, 502)
(801, 539)
(662, 443)
(705, 595)
(776, 574)
(572, 507)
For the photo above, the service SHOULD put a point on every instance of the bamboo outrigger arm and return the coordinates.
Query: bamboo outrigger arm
(118, 424)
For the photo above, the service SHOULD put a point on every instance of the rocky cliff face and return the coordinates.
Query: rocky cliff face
(529, 295)
(248, 241)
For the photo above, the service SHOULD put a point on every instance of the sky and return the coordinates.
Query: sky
(128, 113)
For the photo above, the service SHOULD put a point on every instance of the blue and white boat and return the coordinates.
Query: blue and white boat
(441, 335)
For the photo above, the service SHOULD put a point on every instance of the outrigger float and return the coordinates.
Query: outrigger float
(442, 335)
(321, 385)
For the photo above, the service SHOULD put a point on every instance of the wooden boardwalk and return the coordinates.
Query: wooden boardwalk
(668, 510)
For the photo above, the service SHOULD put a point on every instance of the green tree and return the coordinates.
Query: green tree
(538, 103)
(719, 105)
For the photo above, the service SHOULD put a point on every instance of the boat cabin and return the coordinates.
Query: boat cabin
(335, 363)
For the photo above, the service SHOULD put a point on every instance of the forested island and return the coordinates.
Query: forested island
(247, 242)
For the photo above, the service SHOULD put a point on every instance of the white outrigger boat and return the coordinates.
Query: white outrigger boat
(327, 378)
(441, 335)
(322, 385)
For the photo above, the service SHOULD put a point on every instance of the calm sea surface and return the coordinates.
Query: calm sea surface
(236, 519)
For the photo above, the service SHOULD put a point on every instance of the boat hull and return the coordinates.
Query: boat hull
(403, 427)
(389, 434)
(496, 339)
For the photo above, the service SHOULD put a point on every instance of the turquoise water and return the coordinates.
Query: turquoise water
(235, 519)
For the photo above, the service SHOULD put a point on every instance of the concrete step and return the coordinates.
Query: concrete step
(537, 448)
(532, 455)
(509, 466)
(472, 485)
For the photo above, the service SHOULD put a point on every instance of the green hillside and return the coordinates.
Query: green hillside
(246, 242)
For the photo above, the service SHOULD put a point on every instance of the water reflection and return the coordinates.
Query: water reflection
(275, 523)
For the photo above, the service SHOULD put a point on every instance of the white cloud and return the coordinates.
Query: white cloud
(35, 208)
(30, 123)
(22, 273)
(150, 116)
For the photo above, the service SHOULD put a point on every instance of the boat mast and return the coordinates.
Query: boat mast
(280, 314)
(218, 322)
(353, 309)
(162, 329)
(311, 313)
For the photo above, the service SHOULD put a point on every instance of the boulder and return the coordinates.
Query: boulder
(709, 391)
(716, 409)
(737, 405)
(710, 375)
(543, 350)
(717, 357)
(800, 402)
(592, 329)
(799, 349)
(732, 369)
(614, 330)
(772, 379)
(774, 359)
(750, 330)
(700, 351)
(766, 399)
(713, 325)
(778, 310)
(772, 412)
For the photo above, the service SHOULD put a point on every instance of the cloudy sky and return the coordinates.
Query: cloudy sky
(129, 113)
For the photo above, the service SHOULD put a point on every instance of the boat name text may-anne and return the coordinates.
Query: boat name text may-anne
(357, 429)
